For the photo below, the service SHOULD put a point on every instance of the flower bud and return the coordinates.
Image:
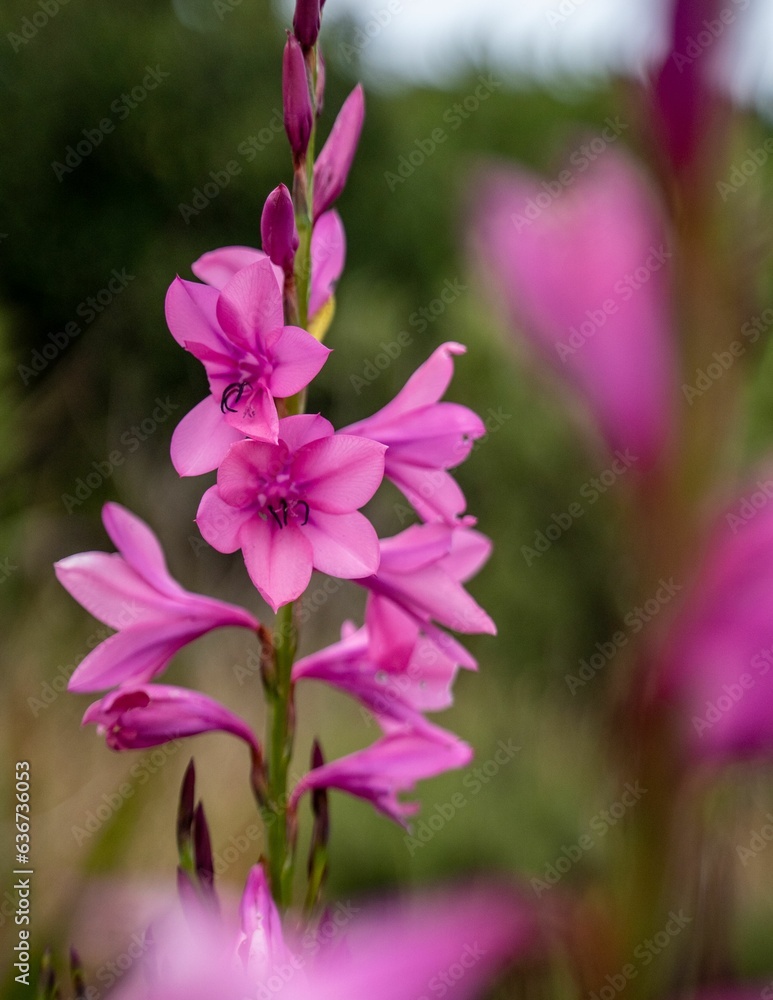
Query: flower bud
(334, 162)
(277, 229)
(298, 112)
(306, 22)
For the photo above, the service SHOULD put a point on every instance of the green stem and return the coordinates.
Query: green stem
(281, 730)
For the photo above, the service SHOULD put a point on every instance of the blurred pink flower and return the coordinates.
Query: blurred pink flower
(391, 765)
(250, 357)
(419, 582)
(140, 716)
(719, 653)
(582, 269)
(132, 591)
(293, 506)
(426, 437)
(453, 941)
(334, 162)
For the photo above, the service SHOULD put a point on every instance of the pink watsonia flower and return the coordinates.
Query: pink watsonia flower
(328, 255)
(392, 765)
(584, 275)
(463, 937)
(419, 583)
(294, 506)
(334, 162)
(146, 715)
(250, 356)
(131, 591)
(401, 692)
(717, 665)
(425, 437)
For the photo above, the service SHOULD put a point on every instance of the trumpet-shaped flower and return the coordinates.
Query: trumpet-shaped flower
(132, 591)
(293, 506)
(390, 766)
(141, 716)
(426, 437)
(584, 275)
(400, 692)
(418, 583)
(250, 356)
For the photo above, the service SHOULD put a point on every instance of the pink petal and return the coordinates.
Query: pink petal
(254, 414)
(302, 429)
(243, 471)
(109, 589)
(191, 315)
(298, 358)
(137, 654)
(218, 266)
(201, 439)
(415, 548)
(433, 493)
(335, 160)
(339, 474)
(219, 523)
(328, 255)
(470, 550)
(392, 632)
(279, 560)
(436, 436)
(250, 308)
(343, 545)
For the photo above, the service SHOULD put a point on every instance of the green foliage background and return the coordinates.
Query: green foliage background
(120, 210)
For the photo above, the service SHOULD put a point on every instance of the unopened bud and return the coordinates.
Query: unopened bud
(306, 22)
(277, 229)
(298, 112)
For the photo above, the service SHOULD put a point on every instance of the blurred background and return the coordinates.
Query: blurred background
(120, 126)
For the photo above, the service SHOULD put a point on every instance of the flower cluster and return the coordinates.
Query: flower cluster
(288, 495)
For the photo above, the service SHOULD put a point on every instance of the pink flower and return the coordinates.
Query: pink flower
(462, 938)
(584, 274)
(419, 581)
(278, 233)
(296, 99)
(141, 716)
(328, 255)
(132, 591)
(426, 437)
(719, 652)
(250, 357)
(334, 162)
(399, 692)
(390, 766)
(293, 506)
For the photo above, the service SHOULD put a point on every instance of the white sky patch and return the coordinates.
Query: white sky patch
(433, 41)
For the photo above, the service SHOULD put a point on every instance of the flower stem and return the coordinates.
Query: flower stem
(281, 732)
